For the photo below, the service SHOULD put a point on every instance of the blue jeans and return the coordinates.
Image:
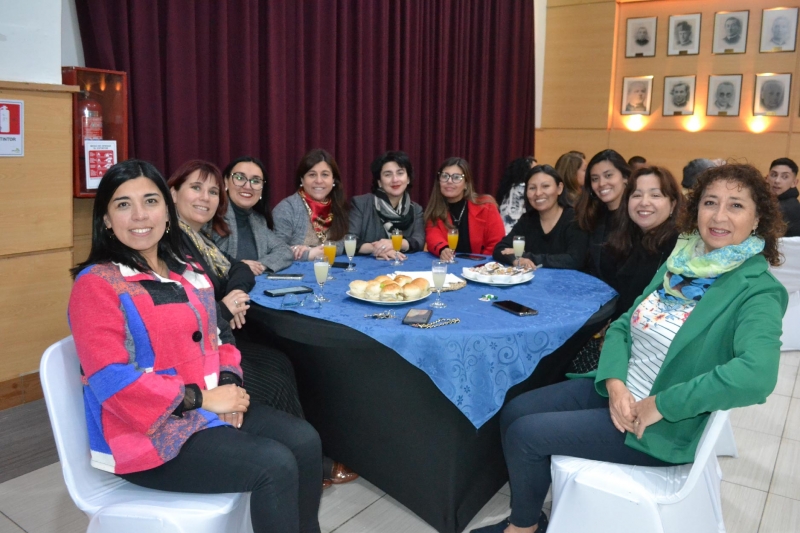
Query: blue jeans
(567, 418)
(275, 456)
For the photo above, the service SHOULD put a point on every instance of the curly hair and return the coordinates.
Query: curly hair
(771, 226)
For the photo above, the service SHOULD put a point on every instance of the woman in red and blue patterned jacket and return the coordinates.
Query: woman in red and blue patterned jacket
(163, 392)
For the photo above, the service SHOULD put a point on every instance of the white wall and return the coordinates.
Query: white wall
(71, 46)
(30, 40)
(539, 27)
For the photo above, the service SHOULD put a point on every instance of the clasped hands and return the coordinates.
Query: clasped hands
(626, 413)
(383, 249)
(229, 402)
(237, 302)
(522, 262)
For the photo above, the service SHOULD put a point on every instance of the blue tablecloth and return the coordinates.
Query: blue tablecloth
(476, 361)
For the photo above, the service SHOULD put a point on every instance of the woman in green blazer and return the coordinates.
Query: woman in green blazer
(704, 336)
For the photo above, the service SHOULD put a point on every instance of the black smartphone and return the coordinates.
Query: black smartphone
(515, 308)
(300, 289)
(417, 316)
(471, 257)
(340, 264)
(284, 276)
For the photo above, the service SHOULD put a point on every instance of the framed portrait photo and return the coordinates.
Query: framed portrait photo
(684, 35)
(778, 29)
(772, 95)
(637, 93)
(730, 32)
(724, 95)
(641, 37)
(678, 95)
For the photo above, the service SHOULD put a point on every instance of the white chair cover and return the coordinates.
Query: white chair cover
(112, 504)
(789, 274)
(611, 498)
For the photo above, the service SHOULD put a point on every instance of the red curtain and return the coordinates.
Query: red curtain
(275, 78)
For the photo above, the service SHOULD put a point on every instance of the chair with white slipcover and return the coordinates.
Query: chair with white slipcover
(111, 503)
(612, 498)
(789, 274)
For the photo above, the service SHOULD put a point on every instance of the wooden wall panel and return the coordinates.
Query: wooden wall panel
(577, 73)
(37, 188)
(33, 308)
(673, 149)
(550, 144)
(563, 3)
(82, 229)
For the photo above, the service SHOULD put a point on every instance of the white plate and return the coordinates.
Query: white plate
(381, 302)
(526, 277)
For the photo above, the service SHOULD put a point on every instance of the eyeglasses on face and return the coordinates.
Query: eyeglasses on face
(444, 177)
(240, 179)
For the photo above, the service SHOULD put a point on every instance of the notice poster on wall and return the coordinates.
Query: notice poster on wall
(100, 156)
(12, 128)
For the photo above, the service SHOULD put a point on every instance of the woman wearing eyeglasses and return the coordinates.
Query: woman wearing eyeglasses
(317, 212)
(455, 204)
(251, 239)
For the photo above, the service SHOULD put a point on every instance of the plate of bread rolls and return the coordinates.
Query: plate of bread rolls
(390, 290)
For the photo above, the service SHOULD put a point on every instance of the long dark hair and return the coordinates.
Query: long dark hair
(626, 232)
(106, 248)
(262, 206)
(339, 206)
(590, 208)
(550, 171)
(770, 227)
(568, 166)
(515, 173)
(207, 170)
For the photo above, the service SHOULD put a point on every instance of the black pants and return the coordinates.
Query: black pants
(567, 418)
(269, 376)
(275, 456)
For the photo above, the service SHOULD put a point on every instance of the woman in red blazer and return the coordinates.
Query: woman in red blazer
(455, 204)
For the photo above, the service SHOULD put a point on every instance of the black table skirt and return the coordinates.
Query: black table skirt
(385, 418)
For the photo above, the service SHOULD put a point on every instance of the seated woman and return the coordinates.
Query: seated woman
(250, 237)
(598, 206)
(162, 375)
(373, 216)
(317, 212)
(552, 237)
(711, 322)
(455, 204)
(572, 169)
(511, 191)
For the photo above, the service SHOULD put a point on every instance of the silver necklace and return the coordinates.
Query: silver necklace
(457, 221)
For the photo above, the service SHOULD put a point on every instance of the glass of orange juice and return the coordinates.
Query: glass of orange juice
(329, 249)
(452, 242)
(397, 244)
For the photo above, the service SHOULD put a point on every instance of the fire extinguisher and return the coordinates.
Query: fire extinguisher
(5, 120)
(91, 113)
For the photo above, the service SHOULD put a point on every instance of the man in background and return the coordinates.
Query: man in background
(782, 179)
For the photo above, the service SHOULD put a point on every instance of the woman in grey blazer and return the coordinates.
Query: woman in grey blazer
(317, 212)
(251, 238)
(373, 216)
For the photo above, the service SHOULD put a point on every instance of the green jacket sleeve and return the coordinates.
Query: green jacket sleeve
(751, 374)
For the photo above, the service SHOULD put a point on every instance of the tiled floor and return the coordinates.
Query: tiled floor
(760, 491)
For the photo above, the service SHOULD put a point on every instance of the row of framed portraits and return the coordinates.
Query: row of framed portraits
(778, 33)
(771, 95)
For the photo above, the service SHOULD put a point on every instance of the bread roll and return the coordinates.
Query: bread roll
(412, 292)
(402, 279)
(383, 279)
(358, 287)
(391, 292)
(422, 283)
(373, 290)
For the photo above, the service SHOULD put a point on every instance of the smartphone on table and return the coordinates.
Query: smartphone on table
(471, 257)
(515, 308)
(299, 289)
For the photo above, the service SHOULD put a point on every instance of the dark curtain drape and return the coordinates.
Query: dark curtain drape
(216, 79)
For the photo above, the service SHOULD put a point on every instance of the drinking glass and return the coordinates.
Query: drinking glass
(439, 271)
(321, 268)
(329, 251)
(397, 244)
(519, 246)
(452, 242)
(350, 250)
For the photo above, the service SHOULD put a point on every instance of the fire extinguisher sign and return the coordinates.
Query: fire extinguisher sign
(100, 156)
(12, 126)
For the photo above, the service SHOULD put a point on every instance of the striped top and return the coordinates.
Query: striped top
(654, 323)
